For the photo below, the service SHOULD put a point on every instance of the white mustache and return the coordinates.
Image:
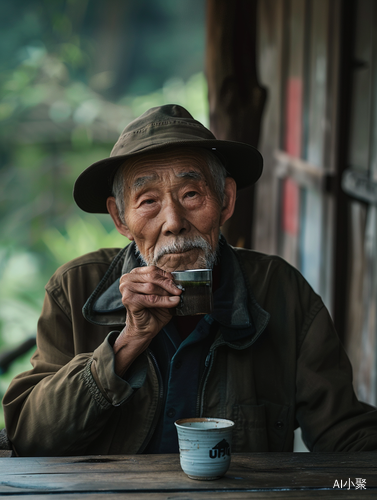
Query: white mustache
(183, 245)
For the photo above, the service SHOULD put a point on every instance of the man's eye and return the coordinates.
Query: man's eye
(191, 194)
(148, 201)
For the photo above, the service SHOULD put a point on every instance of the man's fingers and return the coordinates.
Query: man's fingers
(152, 277)
(150, 272)
(145, 288)
(138, 302)
(158, 301)
(148, 287)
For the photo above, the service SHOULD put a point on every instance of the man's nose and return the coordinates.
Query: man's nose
(175, 221)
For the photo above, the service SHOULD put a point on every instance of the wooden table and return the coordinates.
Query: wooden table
(253, 476)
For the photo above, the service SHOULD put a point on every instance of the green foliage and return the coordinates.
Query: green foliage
(82, 235)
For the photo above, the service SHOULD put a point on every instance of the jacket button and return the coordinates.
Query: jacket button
(170, 413)
(178, 364)
(279, 424)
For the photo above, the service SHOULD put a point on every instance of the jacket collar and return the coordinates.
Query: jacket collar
(104, 306)
(241, 318)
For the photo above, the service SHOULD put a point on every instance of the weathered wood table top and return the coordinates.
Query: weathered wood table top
(251, 475)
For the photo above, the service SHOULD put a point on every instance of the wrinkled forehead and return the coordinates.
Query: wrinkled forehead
(184, 163)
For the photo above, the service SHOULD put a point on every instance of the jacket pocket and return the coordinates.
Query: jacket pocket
(249, 432)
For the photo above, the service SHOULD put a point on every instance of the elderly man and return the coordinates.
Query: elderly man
(114, 368)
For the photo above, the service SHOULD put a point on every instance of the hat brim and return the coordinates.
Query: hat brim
(94, 185)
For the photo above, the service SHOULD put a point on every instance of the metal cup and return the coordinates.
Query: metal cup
(196, 286)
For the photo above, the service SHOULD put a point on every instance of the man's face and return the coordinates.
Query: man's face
(172, 211)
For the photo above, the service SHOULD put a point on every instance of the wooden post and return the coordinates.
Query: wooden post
(236, 100)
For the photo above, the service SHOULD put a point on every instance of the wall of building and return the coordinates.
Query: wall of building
(318, 61)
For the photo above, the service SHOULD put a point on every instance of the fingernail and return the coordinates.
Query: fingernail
(173, 299)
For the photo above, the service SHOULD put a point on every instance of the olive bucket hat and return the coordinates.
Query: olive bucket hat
(162, 128)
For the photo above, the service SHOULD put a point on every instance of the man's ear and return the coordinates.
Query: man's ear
(122, 228)
(230, 194)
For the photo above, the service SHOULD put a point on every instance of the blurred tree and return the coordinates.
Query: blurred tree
(118, 47)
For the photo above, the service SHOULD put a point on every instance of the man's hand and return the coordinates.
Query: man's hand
(147, 294)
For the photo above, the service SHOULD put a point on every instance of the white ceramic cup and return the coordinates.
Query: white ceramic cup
(204, 446)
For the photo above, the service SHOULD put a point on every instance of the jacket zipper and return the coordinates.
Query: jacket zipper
(159, 403)
(203, 382)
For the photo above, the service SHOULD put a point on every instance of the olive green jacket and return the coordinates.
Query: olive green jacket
(291, 371)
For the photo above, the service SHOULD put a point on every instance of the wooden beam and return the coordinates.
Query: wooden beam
(341, 247)
(236, 100)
